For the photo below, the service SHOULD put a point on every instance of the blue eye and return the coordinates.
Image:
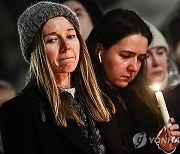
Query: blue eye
(52, 40)
(71, 36)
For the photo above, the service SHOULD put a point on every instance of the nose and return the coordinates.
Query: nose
(64, 46)
(134, 65)
(155, 60)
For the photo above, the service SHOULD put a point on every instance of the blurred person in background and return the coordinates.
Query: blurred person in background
(160, 66)
(162, 70)
(173, 37)
(88, 12)
(7, 92)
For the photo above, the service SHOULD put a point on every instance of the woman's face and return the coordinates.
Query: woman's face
(62, 45)
(84, 17)
(156, 64)
(122, 61)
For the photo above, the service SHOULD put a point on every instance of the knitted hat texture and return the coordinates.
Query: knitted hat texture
(158, 39)
(35, 16)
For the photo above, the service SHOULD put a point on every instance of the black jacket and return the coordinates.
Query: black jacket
(24, 131)
(172, 98)
(135, 121)
(142, 123)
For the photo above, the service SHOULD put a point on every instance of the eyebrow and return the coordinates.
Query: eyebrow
(78, 9)
(132, 53)
(127, 51)
(70, 29)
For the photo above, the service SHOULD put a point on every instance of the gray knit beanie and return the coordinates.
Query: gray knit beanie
(35, 16)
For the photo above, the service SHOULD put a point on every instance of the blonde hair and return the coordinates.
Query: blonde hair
(40, 71)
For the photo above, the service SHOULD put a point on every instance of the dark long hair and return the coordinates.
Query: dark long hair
(114, 26)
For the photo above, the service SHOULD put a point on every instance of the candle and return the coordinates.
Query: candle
(162, 106)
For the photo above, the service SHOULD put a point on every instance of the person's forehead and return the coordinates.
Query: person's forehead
(74, 5)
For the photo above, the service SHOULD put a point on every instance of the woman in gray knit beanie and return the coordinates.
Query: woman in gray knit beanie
(61, 104)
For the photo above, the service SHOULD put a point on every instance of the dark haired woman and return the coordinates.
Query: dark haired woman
(118, 47)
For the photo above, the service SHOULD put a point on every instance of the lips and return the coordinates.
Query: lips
(66, 58)
(157, 73)
(127, 78)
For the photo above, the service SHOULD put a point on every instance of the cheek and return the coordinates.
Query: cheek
(51, 50)
(136, 73)
(113, 69)
(138, 68)
(149, 65)
(164, 62)
(77, 51)
(149, 61)
(52, 56)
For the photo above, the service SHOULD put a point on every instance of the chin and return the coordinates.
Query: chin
(158, 79)
(70, 70)
(123, 85)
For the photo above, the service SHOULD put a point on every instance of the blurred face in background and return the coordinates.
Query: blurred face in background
(84, 17)
(6, 94)
(177, 58)
(122, 61)
(156, 64)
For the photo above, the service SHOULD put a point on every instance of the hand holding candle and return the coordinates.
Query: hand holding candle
(162, 105)
(167, 143)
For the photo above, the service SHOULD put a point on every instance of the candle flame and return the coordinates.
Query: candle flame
(156, 86)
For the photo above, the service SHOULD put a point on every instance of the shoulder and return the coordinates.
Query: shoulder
(172, 97)
(28, 96)
(25, 104)
(177, 89)
(142, 116)
(173, 94)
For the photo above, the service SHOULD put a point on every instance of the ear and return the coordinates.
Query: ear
(99, 55)
(99, 51)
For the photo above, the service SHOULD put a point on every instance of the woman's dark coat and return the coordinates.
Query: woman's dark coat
(136, 119)
(172, 98)
(28, 127)
(144, 122)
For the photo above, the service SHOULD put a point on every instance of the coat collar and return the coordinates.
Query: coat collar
(72, 132)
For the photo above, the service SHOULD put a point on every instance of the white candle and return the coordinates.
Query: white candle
(163, 108)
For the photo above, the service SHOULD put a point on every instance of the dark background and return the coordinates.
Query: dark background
(13, 67)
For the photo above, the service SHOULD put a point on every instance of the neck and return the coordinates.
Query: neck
(164, 82)
(63, 80)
